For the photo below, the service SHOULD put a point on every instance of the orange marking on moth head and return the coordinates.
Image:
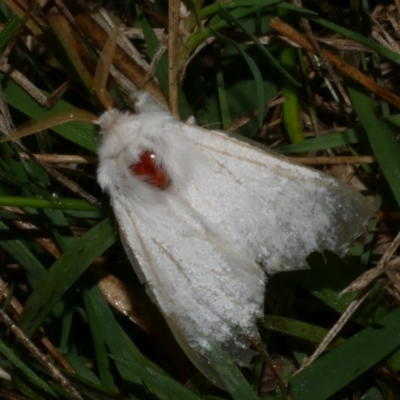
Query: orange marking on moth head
(148, 169)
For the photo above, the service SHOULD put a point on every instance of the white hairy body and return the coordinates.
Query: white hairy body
(230, 209)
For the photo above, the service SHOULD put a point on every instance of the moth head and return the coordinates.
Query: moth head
(145, 102)
(132, 148)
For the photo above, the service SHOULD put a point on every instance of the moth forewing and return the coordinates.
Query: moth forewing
(290, 210)
(209, 293)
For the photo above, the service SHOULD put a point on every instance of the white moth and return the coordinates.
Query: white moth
(202, 215)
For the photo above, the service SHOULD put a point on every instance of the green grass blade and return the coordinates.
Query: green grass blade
(81, 133)
(53, 203)
(230, 17)
(328, 276)
(329, 141)
(298, 10)
(122, 348)
(94, 391)
(95, 323)
(80, 367)
(341, 366)
(365, 41)
(8, 31)
(332, 140)
(256, 74)
(298, 329)
(250, 3)
(59, 227)
(64, 272)
(221, 89)
(31, 376)
(230, 376)
(154, 45)
(215, 24)
(20, 253)
(382, 137)
(157, 379)
(290, 107)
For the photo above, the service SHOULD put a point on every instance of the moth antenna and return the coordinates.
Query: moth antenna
(57, 118)
(103, 70)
